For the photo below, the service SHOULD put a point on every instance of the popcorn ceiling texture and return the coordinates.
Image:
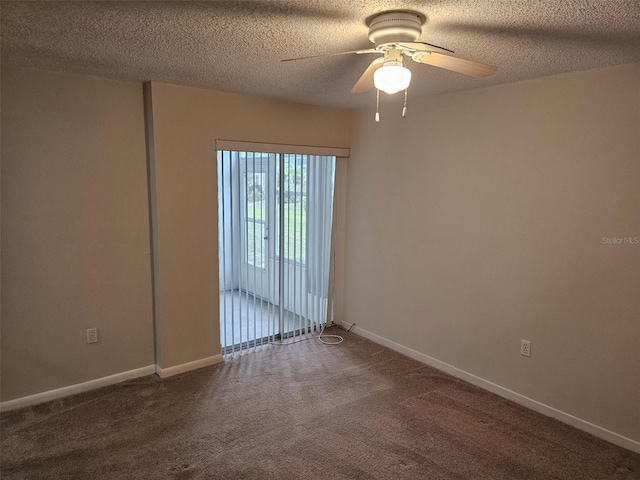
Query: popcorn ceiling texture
(236, 46)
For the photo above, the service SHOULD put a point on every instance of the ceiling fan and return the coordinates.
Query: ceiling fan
(394, 34)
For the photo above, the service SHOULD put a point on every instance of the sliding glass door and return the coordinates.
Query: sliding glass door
(275, 218)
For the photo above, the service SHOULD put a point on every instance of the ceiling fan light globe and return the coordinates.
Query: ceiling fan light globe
(392, 78)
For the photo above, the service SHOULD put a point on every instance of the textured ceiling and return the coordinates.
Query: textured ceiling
(237, 46)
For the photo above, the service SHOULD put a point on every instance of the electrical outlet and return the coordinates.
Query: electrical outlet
(525, 348)
(92, 335)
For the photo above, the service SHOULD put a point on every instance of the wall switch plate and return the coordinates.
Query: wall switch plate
(92, 335)
(525, 348)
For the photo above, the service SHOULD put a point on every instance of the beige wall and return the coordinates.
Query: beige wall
(187, 121)
(75, 220)
(490, 231)
(75, 236)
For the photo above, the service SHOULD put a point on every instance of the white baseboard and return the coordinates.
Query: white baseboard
(564, 417)
(74, 389)
(185, 367)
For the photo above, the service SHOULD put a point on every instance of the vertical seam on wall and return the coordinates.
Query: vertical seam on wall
(153, 220)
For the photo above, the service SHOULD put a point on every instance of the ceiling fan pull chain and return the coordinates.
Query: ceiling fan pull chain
(378, 106)
(404, 108)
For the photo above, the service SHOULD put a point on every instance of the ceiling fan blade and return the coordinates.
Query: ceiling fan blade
(460, 65)
(419, 46)
(359, 52)
(365, 82)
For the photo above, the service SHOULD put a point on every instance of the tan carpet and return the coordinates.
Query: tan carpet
(305, 411)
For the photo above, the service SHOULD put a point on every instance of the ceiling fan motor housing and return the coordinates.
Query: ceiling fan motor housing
(396, 26)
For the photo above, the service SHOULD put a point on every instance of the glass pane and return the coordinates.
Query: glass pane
(255, 244)
(295, 208)
(255, 215)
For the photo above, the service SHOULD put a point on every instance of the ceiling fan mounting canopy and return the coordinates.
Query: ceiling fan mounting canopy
(395, 26)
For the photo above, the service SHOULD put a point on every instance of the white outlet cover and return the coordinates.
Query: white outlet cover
(525, 348)
(92, 335)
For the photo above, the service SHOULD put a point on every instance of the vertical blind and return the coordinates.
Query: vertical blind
(275, 215)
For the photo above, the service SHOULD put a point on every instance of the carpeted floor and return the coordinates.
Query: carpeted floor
(304, 411)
